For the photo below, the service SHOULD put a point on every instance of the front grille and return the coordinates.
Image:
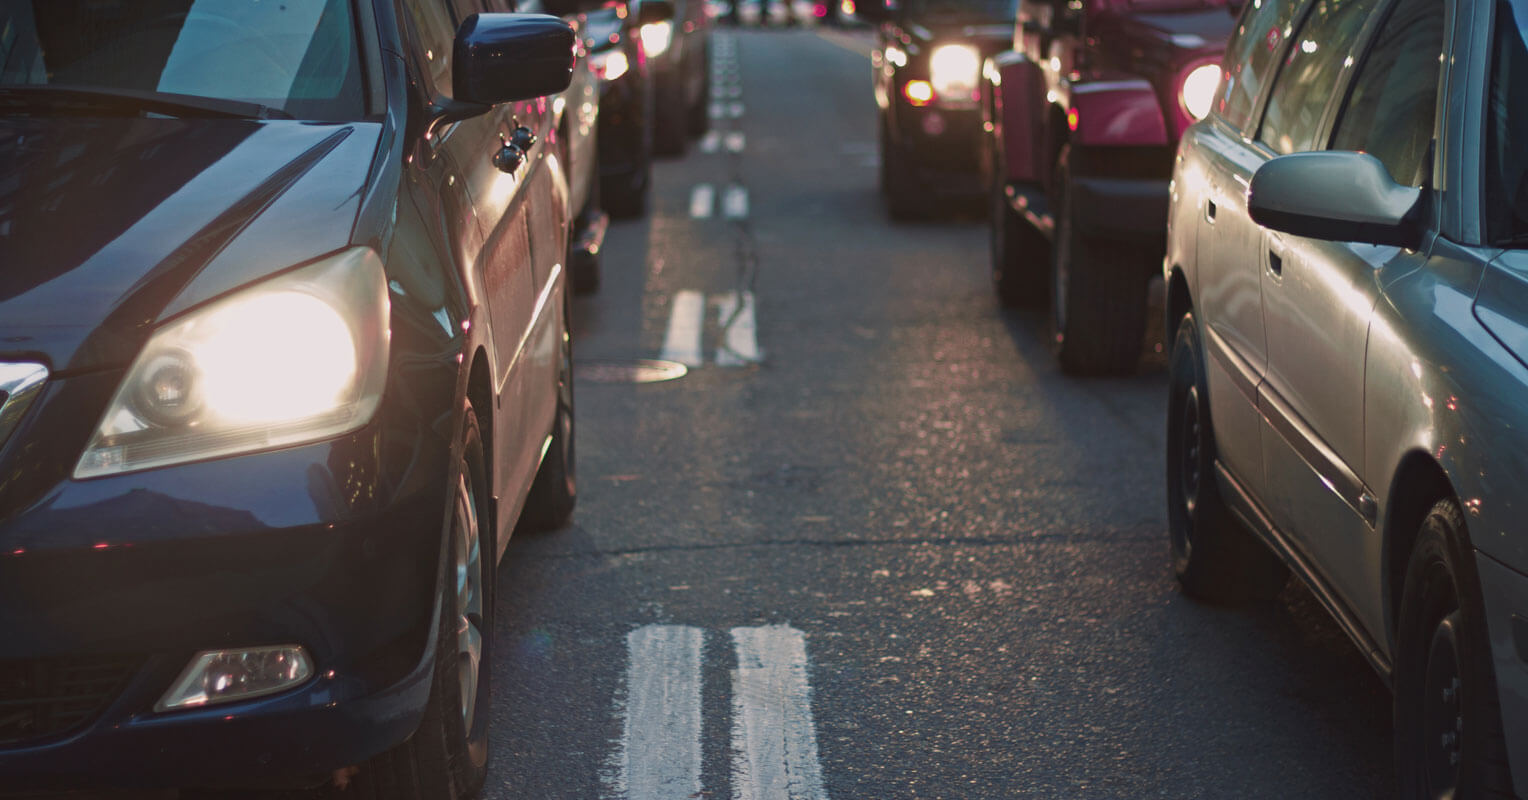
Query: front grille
(50, 696)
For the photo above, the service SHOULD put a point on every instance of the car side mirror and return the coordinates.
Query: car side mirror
(1337, 196)
(501, 58)
(651, 11)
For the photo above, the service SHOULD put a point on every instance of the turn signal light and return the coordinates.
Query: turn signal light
(919, 93)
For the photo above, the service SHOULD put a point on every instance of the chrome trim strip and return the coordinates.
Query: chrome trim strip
(21, 384)
(1307, 444)
(1242, 374)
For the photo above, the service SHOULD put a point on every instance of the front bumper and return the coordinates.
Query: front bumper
(1505, 592)
(334, 546)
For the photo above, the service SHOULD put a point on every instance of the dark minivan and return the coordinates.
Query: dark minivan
(286, 356)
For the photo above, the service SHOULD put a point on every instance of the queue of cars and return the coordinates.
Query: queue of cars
(1334, 192)
(270, 415)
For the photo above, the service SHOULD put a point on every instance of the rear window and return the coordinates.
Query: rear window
(300, 56)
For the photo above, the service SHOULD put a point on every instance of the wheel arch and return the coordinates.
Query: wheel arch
(1418, 484)
(480, 394)
(1179, 301)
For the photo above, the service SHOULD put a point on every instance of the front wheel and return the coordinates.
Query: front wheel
(1448, 729)
(447, 756)
(1098, 308)
(1214, 557)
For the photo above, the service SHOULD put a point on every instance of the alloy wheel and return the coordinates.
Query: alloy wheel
(469, 596)
(1442, 711)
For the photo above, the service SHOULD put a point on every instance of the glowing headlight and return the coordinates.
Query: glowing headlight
(1198, 92)
(954, 70)
(610, 65)
(656, 37)
(298, 358)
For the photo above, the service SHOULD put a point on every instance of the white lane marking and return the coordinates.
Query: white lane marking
(740, 331)
(702, 200)
(711, 142)
(687, 319)
(660, 742)
(735, 110)
(718, 111)
(735, 202)
(773, 737)
(733, 91)
(735, 142)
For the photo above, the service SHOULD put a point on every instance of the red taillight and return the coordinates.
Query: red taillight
(820, 10)
(1072, 120)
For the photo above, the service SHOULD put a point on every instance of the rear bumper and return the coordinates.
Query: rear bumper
(942, 145)
(1122, 209)
(624, 135)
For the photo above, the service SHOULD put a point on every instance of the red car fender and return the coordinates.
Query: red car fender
(1016, 113)
(1116, 113)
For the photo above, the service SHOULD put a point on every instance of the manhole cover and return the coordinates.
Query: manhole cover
(638, 371)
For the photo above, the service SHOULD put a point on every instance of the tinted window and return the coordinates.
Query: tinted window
(1315, 62)
(1507, 126)
(1389, 113)
(299, 56)
(1250, 57)
(998, 10)
(436, 32)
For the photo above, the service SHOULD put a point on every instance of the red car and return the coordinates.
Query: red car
(1082, 118)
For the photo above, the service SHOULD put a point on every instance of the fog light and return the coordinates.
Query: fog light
(223, 676)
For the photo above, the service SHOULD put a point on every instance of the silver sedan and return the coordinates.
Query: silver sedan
(1348, 312)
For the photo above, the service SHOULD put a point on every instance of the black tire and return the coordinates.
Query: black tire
(624, 195)
(1098, 293)
(700, 110)
(1448, 729)
(906, 199)
(446, 758)
(1215, 558)
(554, 493)
(1020, 254)
(585, 271)
(671, 126)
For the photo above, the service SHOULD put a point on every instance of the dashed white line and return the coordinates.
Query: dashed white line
(718, 111)
(687, 319)
(660, 755)
(735, 202)
(735, 142)
(774, 739)
(711, 142)
(735, 110)
(702, 201)
(740, 330)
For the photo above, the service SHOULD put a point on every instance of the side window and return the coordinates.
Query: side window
(436, 33)
(1250, 56)
(1389, 113)
(1314, 64)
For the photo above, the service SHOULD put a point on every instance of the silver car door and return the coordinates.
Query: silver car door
(1318, 299)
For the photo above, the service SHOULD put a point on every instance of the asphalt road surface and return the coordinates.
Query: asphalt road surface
(873, 545)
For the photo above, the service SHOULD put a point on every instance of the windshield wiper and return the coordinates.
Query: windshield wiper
(128, 101)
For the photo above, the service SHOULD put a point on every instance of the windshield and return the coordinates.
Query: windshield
(298, 56)
(935, 11)
(1506, 129)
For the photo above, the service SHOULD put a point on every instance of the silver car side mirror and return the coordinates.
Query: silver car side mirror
(1337, 196)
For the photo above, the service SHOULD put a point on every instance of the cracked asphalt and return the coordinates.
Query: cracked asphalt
(972, 544)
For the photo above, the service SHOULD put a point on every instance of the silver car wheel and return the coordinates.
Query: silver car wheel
(469, 597)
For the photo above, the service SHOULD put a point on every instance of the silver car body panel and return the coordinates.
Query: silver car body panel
(1332, 379)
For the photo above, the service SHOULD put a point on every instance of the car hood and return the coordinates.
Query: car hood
(107, 226)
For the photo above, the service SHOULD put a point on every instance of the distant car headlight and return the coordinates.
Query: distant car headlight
(610, 64)
(954, 70)
(295, 359)
(656, 37)
(1198, 92)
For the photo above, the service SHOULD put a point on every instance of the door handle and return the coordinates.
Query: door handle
(1209, 210)
(1275, 264)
